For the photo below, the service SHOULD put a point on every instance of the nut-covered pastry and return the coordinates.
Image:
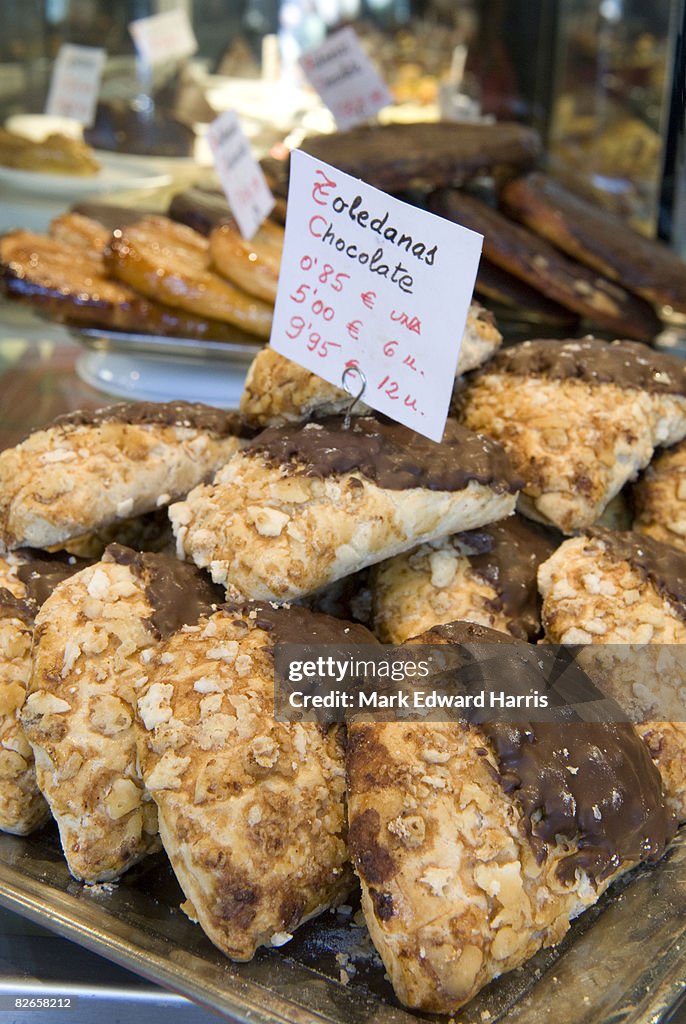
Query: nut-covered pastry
(578, 418)
(26, 579)
(251, 810)
(89, 469)
(476, 845)
(278, 390)
(170, 263)
(253, 264)
(486, 576)
(627, 590)
(598, 238)
(572, 285)
(93, 641)
(302, 506)
(660, 498)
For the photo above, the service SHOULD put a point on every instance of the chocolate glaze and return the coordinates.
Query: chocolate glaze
(628, 364)
(593, 781)
(662, 564)
(508, 556)
(390, 455)
(40, 573)
(163, 414)
(178, 592)
(293, 624)
(12, 607)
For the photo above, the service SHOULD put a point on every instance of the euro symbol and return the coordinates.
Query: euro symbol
(368, 299)
(320, 189)
(353, 329)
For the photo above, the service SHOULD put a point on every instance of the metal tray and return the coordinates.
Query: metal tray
(623, 962)
(240, 352)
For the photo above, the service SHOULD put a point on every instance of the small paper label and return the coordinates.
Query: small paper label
(166, 36)
(75, 83)
(345, 78)
(241, 176)
(372, 282)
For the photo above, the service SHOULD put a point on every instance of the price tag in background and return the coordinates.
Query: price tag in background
(75, 83)
(240, 174)
(345, 78)
(165, 36)
(366, 279)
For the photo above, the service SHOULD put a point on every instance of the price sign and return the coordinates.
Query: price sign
(75, 83)
(166, 36)
(370, 281)
(240, 174)
(345, 78)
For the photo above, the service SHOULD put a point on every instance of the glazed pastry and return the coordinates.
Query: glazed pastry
(251, 810)
(93, 641)
(170, 263)
(598, 238)
(660, 498)
(278, 390)
(26, 579)
(533, 260)
(394, 157)
(83, 232)
(89, 469)
(578, 418)
(68, 282)
(251, 265)
(628, 591)
(476, 845)
(302, 506)
(486, 576)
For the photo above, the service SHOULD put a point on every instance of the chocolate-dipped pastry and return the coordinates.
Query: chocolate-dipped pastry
(89, 470)
(302, 506)
(578, 418)
(598, 238)
(476, 844)
(540, 265)
(94, 638)
(625, 594)
(486, 576)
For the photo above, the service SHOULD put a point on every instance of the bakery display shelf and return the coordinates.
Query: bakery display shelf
(623, 962)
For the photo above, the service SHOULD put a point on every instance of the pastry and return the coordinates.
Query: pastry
(278, 390)
(496, 285)
(486, 576)
(55, 154)
(251, 265)
(660, 498)
(302, 506)
(89, 469)
(170, 263)
(628, 591)
(77, 230)
(26, 579)
(394, 157)
(578, 419)
(251, 810)
(598, 238)
(93, 640)
(533, 260)
(477, 844)
(68, 282)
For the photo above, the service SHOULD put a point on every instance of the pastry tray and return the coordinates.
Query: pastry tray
(238, 352)
(624, 960)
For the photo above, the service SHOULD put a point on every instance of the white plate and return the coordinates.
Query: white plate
(114, 176)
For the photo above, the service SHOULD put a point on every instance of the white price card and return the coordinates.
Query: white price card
(166, 36)
(345, 78)
(244, 184)
(75, 83)
(369, 281)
